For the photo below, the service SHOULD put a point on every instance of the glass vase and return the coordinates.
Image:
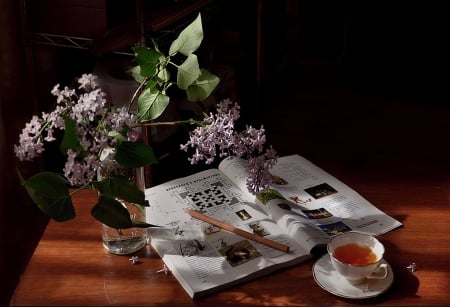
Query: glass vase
(130, 240)
(126, 241)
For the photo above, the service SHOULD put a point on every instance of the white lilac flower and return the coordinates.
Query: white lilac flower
(70, 162)
(64, 95)
(55, 90)
(54, 119)
(80, 171)
(93, 123)
(30, 141)
(258, 167)
(217, 136)
(120, 119)
(89, 105)
(88, 82)
(49, 137)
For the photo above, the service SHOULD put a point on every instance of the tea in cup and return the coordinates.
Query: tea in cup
(357, 256)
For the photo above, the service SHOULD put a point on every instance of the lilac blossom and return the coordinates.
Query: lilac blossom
(30, 141)
(120, 118)
(97, 128)
(62, 95)
(88, 82)
(78, 170)
(216, 132)
(216, 135)
(258, 167)
(89, 105)
(93, 125)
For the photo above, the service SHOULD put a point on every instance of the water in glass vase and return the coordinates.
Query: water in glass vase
(126, 241)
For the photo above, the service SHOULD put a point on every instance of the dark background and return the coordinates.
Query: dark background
(348, 84)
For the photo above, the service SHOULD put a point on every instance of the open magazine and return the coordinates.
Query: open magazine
(303, 209)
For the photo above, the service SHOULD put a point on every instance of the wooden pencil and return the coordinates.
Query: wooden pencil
(238, 231)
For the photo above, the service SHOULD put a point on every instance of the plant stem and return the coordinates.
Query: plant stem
(170, 123)
(79, 189)
(138, 90)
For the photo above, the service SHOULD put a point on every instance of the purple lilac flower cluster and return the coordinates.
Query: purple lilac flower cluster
(94, 124)
(217, 135)
(97, 127)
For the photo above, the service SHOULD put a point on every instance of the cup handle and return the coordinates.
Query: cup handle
(381, 272)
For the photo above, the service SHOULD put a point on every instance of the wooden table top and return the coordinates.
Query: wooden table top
(71, 268)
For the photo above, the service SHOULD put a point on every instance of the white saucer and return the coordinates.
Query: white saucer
(327, 278)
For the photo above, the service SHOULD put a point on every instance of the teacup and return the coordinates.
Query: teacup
(357, 256)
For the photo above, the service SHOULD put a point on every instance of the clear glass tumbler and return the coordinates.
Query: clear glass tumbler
(130, 240)
(126, 241)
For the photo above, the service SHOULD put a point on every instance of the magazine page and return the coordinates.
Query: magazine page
(201, 256)
(234, 169)
(312, 205)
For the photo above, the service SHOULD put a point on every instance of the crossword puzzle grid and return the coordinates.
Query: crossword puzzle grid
(209, 198)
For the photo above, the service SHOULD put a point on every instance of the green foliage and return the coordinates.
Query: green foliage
(117, 135)
(113, 213)
(266, 195)
(70, 139)
(154, 77)
(122, 188)
(147, 60)
(110, 211)
(134, 154)
(151, 104)
(189, 39)
(50, 193)
(202, 86)
(188, 72)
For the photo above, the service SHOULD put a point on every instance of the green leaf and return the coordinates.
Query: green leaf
(202, 87)
(70, 139)
(151, 104)
(140, 224)
(136, 74)
(188, 72)
(163, 74)
(189, 39)
(119, 136)
(113, 213)
(151, 84)
(147, 59)
(134, 154)
(123, 188)
(50, 193)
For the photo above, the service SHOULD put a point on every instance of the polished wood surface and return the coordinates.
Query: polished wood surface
(70, 267)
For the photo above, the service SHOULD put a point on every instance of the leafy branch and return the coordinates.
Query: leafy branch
(154, 77)
(91, 130)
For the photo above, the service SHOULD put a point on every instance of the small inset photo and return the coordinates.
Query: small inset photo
(320, 190)
(277, 180)
(243, 215)
(258, 229)
(239, 253)
(320, 213)
(335, 228)
(191, 248)
(209, 229)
